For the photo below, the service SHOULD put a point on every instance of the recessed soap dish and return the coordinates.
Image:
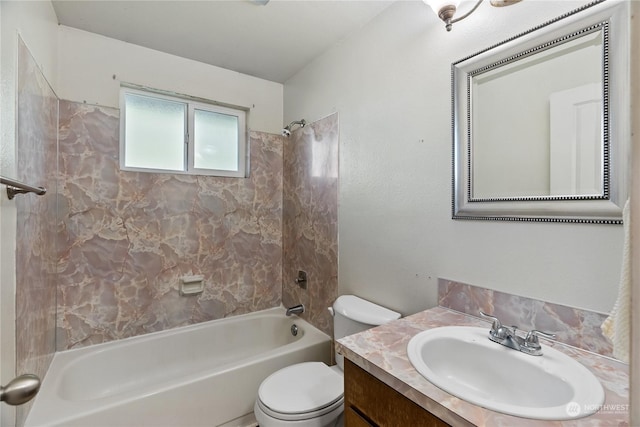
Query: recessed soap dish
(191, 285)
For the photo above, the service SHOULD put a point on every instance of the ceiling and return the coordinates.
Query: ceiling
(271, 41)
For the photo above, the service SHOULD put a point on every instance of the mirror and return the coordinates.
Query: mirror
(564, 151)
(540, 129)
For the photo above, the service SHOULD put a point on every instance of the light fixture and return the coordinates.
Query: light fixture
(445, 9)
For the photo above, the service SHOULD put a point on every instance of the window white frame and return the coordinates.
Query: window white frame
(192, 105)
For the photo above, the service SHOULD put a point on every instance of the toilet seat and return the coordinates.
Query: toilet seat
(301, 391)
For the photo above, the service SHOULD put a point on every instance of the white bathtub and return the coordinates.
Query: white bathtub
(201, 375)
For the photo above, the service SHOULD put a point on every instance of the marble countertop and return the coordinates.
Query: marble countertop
(382, 352)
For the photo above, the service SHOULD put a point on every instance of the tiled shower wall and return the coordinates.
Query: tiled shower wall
(310, 221)
(37, 117)
(128, 237)
(106, 248)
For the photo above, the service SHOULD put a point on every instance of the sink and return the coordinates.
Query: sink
(463, 361)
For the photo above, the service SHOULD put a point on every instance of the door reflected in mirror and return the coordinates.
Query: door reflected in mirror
(537, 122)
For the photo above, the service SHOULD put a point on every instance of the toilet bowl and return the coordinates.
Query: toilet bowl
(308, 394)
(311, 394)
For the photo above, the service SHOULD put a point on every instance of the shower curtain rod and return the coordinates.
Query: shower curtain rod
(16, 187)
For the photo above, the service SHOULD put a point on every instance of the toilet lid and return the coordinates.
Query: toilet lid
(301, 388)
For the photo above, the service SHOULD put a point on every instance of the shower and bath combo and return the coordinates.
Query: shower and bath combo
(287, 129)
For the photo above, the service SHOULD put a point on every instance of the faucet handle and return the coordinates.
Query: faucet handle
(531, 340)
(496, 322)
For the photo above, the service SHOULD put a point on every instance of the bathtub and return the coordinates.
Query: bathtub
(202, 375)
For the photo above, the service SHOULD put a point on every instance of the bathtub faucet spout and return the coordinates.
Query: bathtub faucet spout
(296, 309)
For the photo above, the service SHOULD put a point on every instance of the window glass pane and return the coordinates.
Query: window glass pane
(154, 133)
(216, 141)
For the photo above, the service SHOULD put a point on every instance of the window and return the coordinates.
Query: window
(161, 133)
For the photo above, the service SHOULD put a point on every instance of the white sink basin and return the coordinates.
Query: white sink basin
(465, 363)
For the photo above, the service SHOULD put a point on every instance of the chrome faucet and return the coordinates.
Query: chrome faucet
(508, 337)
(296, 309)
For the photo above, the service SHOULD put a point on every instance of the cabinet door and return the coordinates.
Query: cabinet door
(354, 419)
(370, 402)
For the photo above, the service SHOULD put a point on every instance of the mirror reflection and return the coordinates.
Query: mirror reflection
(537, 122)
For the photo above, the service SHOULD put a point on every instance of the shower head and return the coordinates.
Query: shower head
(287, 129)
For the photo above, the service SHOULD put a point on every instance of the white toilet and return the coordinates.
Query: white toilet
(311, 394)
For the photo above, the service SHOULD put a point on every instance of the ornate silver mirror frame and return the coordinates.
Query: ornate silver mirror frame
(609, 21)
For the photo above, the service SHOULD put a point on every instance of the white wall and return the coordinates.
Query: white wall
(390, 83)
(88, 63)
(635, 218)
(37, 24)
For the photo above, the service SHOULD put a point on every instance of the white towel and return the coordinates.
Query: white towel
(617, 326)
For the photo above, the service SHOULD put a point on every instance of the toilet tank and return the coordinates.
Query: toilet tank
(352, 314)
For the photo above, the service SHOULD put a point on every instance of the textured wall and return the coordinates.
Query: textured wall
(128, 237)
(37, 123)
(310, 219)
(391, 83)
(88, 75)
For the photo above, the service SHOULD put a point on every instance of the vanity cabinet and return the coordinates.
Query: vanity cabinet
(370, 402)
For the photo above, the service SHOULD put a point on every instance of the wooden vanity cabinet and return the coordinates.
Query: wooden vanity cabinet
(370, 402)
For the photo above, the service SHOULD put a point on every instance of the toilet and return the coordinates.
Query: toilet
(311, 394)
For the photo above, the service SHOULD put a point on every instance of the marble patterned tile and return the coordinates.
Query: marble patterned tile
(310, 219)
(573, 326)
(128, 237)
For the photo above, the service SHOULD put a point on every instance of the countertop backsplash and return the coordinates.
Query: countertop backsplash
(573, 326)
